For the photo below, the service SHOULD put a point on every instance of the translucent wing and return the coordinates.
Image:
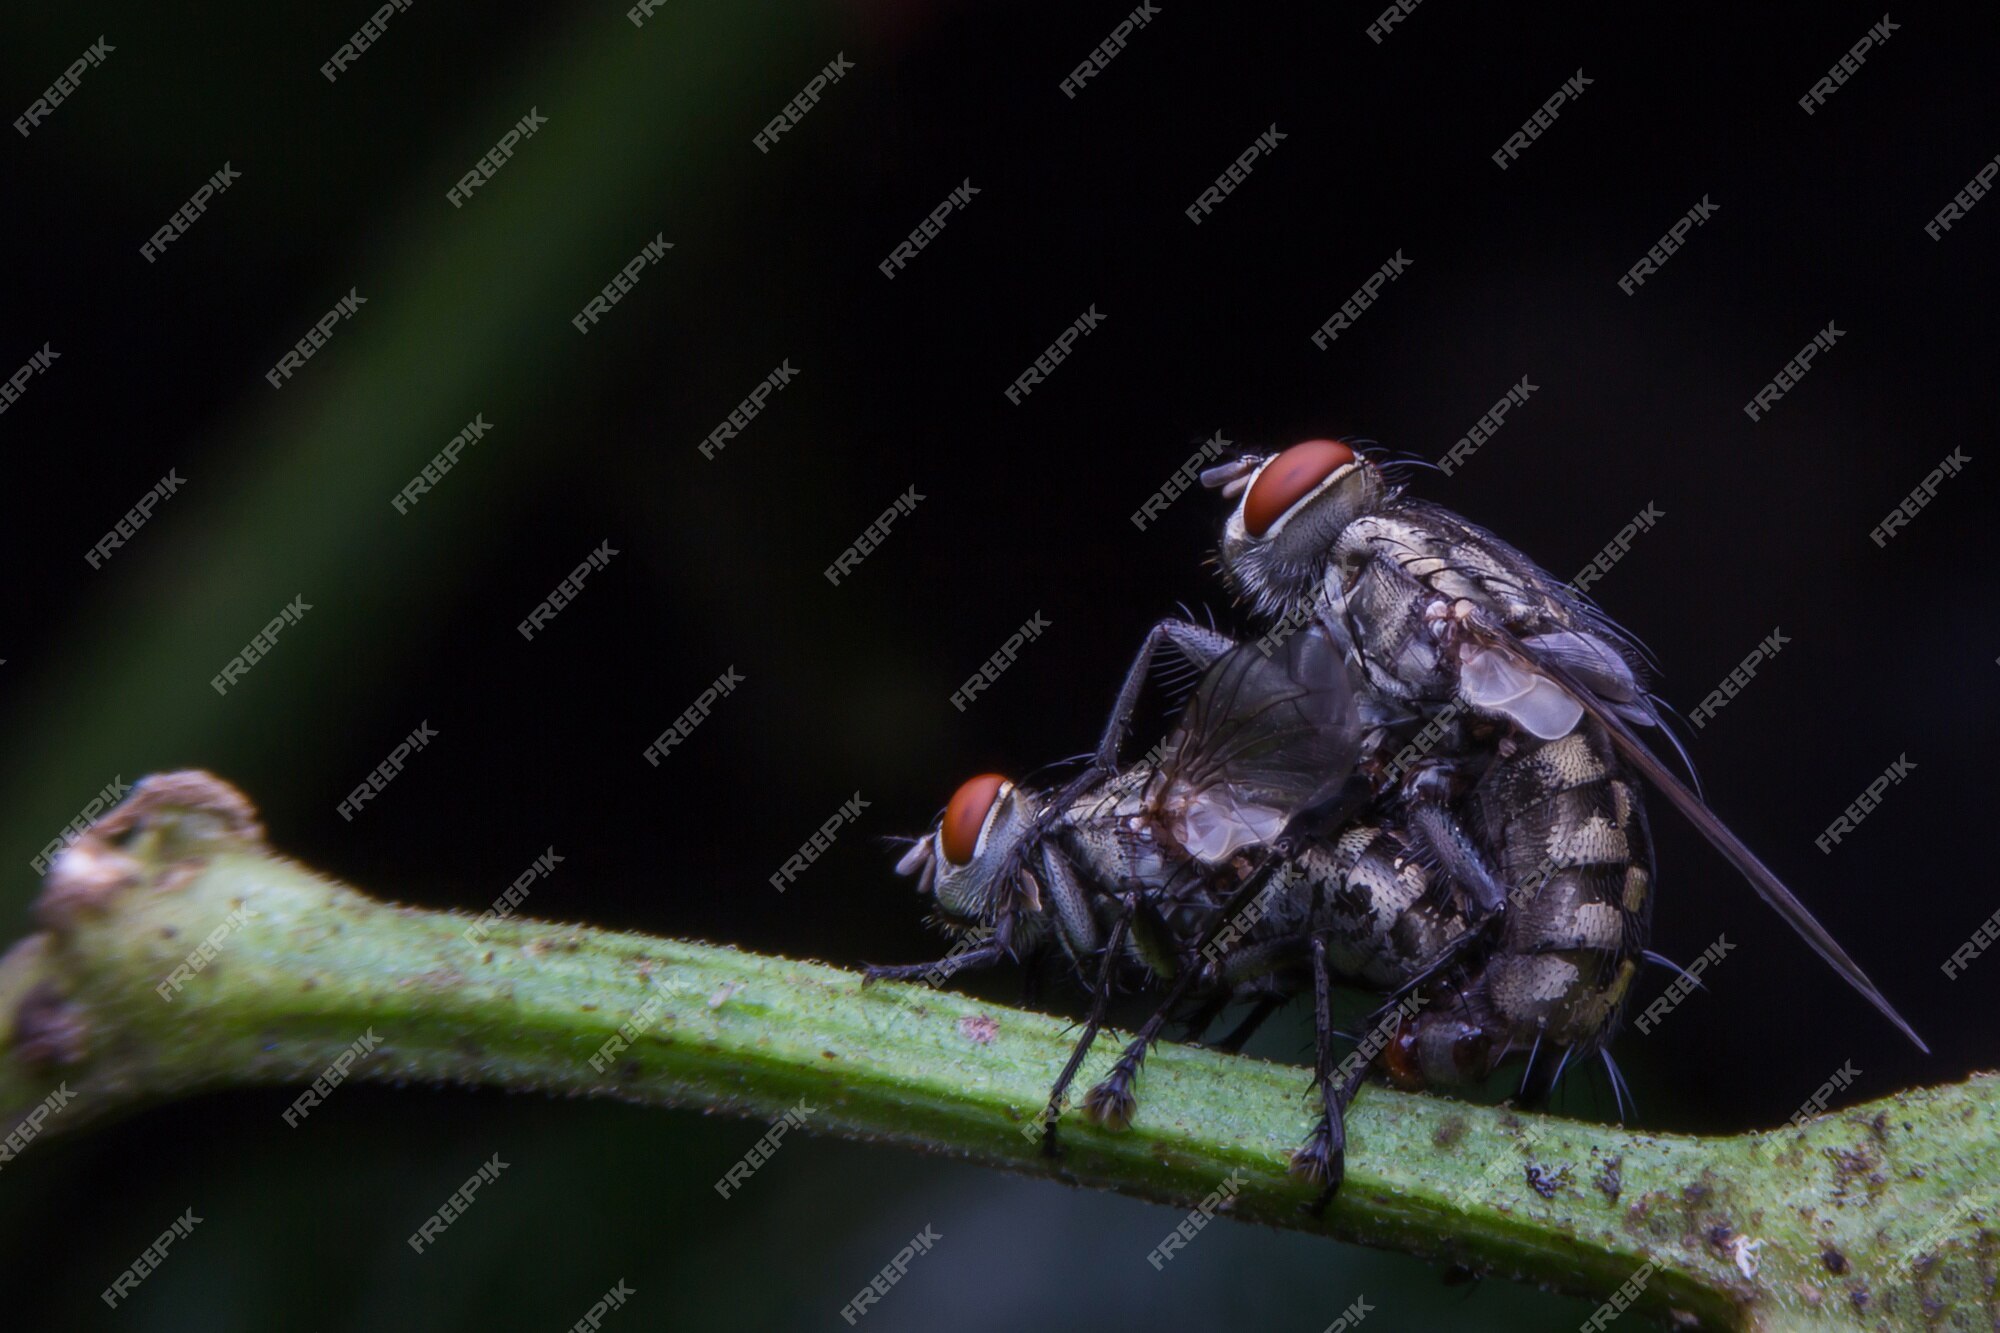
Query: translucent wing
(1265, 736)
(1561, 668)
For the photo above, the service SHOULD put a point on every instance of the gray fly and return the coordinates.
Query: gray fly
(1448, 619)
(1132, 869)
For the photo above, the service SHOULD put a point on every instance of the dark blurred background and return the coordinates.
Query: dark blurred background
(900, 383)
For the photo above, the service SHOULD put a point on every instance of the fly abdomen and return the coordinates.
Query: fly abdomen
(1372, 900)
(1569, 832)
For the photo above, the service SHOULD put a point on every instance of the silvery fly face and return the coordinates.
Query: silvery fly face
(964, 860)
(1290, 509)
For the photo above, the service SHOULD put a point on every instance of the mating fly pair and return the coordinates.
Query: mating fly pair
(1434, 790)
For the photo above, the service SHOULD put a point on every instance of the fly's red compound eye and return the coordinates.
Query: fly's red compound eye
(966, 815)
(1288, 477)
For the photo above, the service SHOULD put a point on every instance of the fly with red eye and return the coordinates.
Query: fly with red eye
(1434, 798)
(1530, 697)
(1127, 867)
(1453, 621)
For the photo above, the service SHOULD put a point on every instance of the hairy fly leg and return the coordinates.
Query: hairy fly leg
(1112, 1102)
(1100, 999)
(1201, 646)
(1256, 967)
(985, 955)
(1204, 1016)
(1198, 643)
(1323, 1156)
(1457, 854)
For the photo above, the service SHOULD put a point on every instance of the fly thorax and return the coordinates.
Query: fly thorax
(1105, 852)
(1389, 613)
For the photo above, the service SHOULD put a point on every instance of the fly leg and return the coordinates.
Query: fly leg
(986, 955)
(1247, 964)
(1198, 1022)
(1323, 1156)
(1266, 959)
(1198, 643)
(1112, 1102)
(1461, 865)
(1457, 853)
(1099, 1001)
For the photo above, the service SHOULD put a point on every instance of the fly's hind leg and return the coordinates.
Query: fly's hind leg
(1457, 854)
(1240, 971)
(1201, 1019)
(1198, 643)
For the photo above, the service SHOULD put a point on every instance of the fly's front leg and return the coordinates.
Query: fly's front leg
(1198, 643)
(1099, 1001)
(986, 955)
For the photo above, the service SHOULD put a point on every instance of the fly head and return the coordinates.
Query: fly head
(974, 862)
(1289, 510)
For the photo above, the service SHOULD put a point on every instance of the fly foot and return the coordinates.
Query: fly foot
(1322, 1159)
(1112, 1102)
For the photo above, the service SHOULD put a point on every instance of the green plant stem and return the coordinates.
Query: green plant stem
(1783, 1229)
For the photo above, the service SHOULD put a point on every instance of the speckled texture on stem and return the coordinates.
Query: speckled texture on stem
(1881, 1216)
